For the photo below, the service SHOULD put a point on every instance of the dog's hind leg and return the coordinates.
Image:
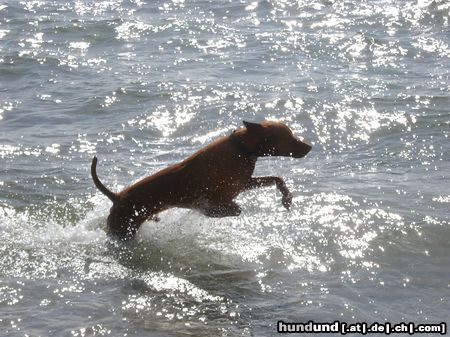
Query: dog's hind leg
(269, 181)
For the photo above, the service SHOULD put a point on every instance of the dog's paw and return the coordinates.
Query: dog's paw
(287, 200)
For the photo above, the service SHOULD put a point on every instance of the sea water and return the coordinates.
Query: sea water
(143, 84)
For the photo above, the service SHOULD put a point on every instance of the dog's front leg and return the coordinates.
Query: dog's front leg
(268, 181)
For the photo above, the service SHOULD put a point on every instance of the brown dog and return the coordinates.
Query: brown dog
(208, 180)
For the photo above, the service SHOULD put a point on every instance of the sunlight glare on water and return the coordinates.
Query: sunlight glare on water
(144, 84)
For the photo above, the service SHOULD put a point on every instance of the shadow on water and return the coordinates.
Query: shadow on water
(173, 279)
(184, 256)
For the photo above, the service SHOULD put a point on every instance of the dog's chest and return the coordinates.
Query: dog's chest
(230, 177)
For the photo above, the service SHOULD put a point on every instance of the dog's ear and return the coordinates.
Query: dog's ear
(253, 127)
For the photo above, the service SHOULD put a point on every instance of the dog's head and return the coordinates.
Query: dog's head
(270, 138)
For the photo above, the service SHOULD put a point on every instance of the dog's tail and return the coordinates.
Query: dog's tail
(110, 194)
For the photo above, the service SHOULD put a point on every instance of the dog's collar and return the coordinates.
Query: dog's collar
(241, 147)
